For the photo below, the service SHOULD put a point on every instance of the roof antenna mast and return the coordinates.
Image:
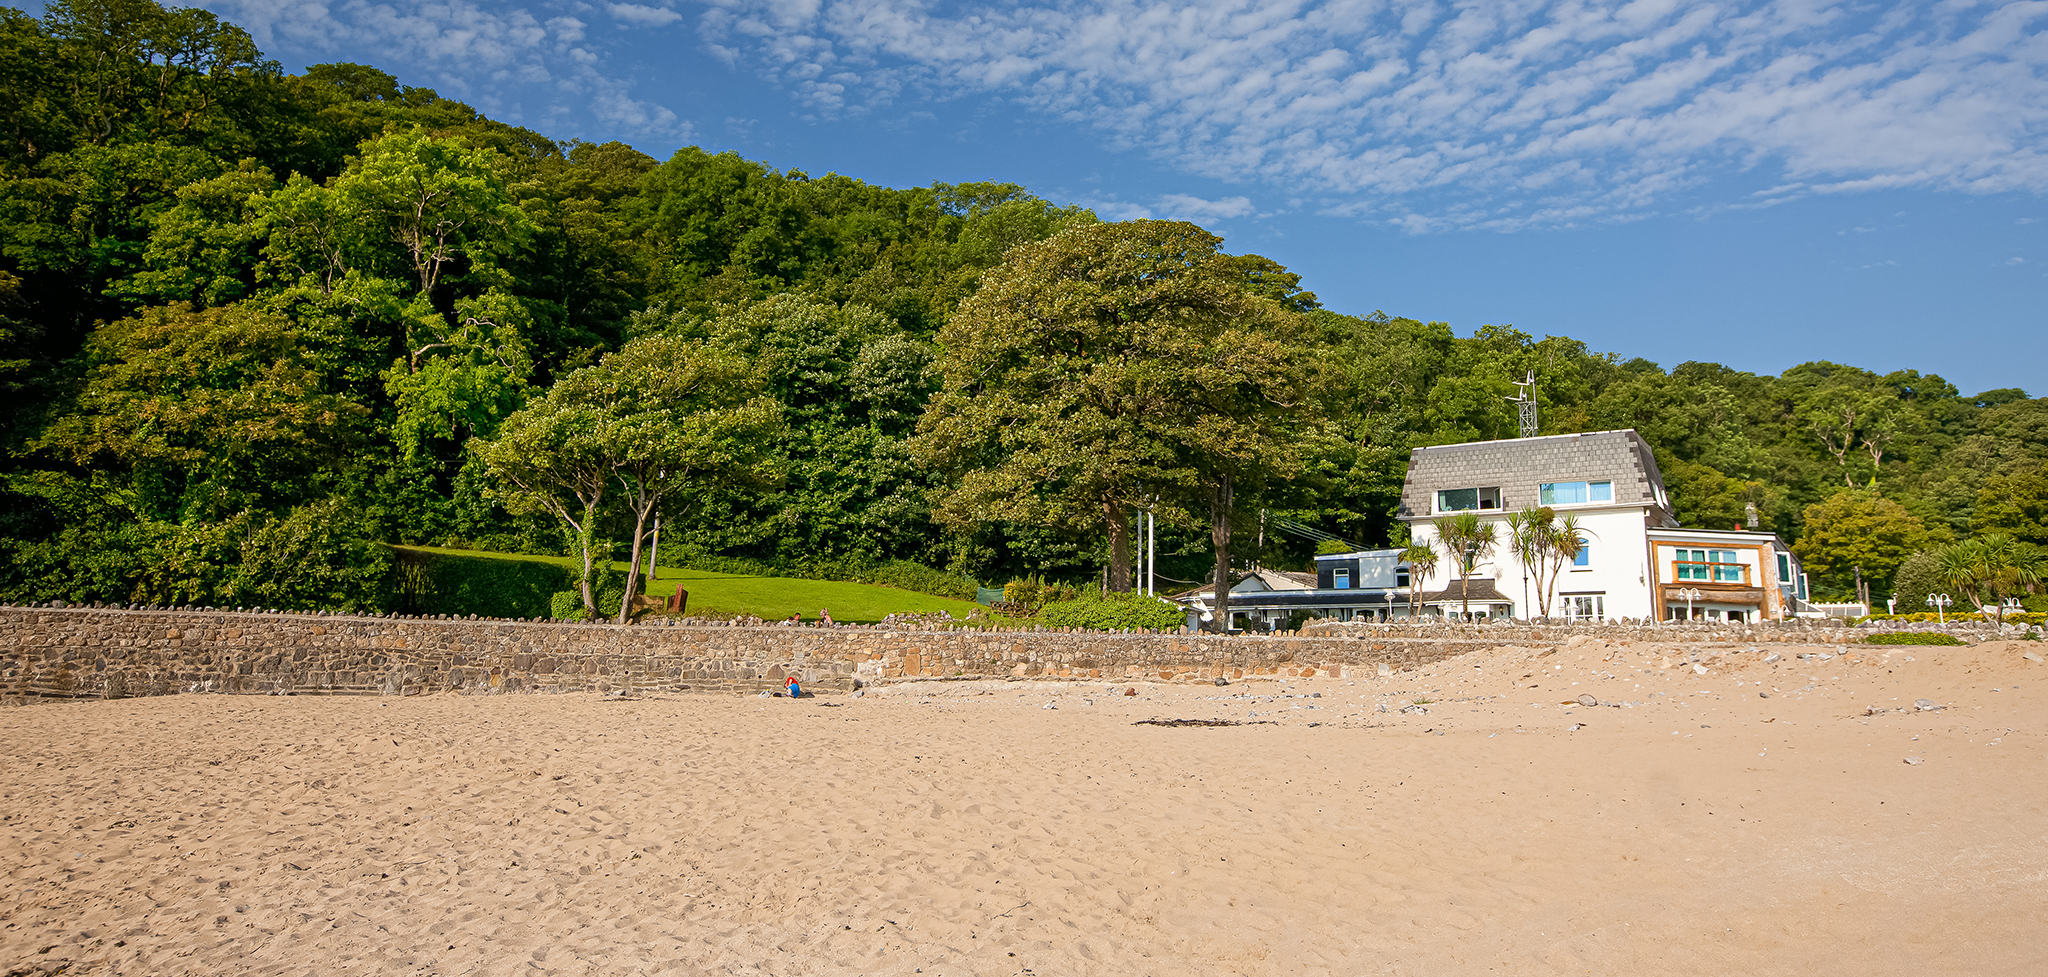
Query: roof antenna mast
(1525, 402)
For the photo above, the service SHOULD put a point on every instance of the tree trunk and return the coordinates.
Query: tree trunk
(1119, 523)
(584, 543)
(633, 574)
(1220, 501)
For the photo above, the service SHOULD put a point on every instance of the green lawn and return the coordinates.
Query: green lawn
(768, 598)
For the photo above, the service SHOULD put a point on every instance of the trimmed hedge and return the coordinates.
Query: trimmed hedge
(900, 574)
(1913, 638)
(444, 583)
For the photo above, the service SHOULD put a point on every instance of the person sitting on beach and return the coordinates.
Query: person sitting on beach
(795, 691)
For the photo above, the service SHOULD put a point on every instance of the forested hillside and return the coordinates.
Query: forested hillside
(255, 324)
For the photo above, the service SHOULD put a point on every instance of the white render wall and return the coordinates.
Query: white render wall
(1619, 551)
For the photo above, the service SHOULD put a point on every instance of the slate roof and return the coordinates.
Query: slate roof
(1518, 465)
(1304, 581)
(1482, 591)
(1281, 581)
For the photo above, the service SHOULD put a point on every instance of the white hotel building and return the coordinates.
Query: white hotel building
(1636, 562)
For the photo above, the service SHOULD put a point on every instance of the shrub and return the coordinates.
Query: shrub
(1114, 612)
(1918, 577)
(444, 583)
(315, 558)
(609, 588)
(1032, 594)
(1912, 638)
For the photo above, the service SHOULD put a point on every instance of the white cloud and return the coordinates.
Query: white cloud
(473, 52)
(1187, 207)
(1173, 206)
(2015, 261)
(1533, 113)
(639, 15)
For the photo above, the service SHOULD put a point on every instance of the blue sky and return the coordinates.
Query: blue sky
(1757, 184)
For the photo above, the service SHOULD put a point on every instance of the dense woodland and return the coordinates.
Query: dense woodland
(253, 325)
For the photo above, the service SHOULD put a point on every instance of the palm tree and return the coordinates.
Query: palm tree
(1468, 540)
(1993, 566)
(1538, 540)
(1523, 535)
(1955, 565)
(1566, 541)
(1421, 560)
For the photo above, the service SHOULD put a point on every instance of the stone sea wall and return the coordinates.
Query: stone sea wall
(105, 652)
(72, 652)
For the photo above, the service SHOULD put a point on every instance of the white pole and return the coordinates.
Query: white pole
(1151, 551)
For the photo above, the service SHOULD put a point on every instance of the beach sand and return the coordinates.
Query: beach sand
(1727, 816)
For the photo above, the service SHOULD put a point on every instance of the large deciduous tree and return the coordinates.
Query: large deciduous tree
(1110, 366)
(2015, 503)
(1857, 531)
(697, 419)
(659, 415)
(208, 411)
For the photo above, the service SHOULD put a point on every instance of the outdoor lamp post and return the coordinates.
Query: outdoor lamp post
(1690, 594)
(1940, 604)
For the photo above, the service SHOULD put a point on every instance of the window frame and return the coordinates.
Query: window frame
(1706, 565)
(1547, 493)
(1481, 495)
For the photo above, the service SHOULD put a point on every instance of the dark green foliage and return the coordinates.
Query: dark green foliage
(1114, 612)
(443, 583)
(83, 541)
(1912, 638)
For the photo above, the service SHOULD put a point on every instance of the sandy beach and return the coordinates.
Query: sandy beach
(1730, 814)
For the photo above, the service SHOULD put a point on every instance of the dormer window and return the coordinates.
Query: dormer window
(1461, 500)
(1340, 578)
(1574, 493)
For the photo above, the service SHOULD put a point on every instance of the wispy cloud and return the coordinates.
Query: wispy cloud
(1430, 115)
(477, 52)
(1197, 209)
(1174, 206)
